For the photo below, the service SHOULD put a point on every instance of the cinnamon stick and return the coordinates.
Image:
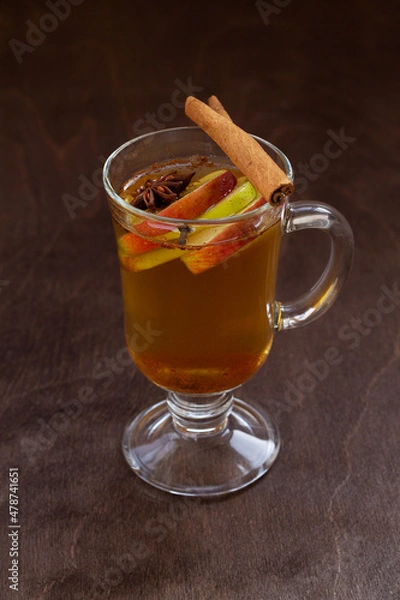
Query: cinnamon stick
(216, 105)
(243, 150)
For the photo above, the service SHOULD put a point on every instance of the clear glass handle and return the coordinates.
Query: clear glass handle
(312, 304)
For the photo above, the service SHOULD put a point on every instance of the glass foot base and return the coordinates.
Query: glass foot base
(222, 461)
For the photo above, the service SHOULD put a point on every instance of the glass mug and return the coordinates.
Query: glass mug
(200, 316)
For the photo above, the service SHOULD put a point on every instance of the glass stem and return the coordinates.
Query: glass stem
(200, 416)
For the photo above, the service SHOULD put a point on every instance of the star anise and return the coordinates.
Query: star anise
(158, 193)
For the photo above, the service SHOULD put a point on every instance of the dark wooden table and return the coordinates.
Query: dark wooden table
(77, 80)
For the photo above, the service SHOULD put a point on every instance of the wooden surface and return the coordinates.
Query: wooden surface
(324, 523)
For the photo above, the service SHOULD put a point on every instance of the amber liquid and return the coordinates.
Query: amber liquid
(204, 333)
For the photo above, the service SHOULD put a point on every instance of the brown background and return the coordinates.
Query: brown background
(324, 523)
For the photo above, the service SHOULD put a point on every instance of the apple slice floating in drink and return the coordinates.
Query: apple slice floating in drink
(223, 244)
(210, 190)
(240, 197)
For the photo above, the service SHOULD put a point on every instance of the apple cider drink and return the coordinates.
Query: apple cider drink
(198, 294)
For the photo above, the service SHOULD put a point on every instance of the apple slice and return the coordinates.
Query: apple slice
(243, 193)
(235, 202)
(222, 245)
(210, 189)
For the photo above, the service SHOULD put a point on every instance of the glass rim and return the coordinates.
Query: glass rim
(142, 214)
